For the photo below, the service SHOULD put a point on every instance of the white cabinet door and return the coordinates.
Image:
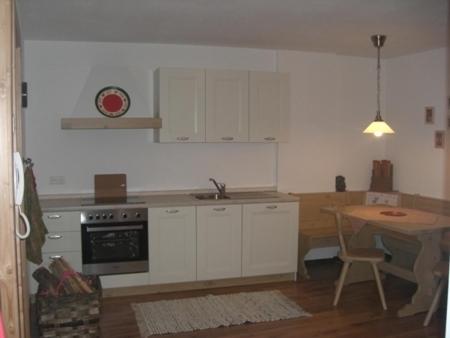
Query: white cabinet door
(63, 240)
(180, 103)
(172, 247)
(226, 106)
(62, 221)
(269, 106)
(270, 238)
(219, 241)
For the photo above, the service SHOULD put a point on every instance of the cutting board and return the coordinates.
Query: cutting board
(110, 187)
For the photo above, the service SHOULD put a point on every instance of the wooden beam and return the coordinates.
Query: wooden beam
(9, 274)
(111, 123)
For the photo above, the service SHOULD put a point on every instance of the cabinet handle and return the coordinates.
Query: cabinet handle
(56, 256)
(219, 209)
(271, 207)
(270, 138)
(183, 138)
(54, 216)
(228, 138)
(54, 236)
(172, 211)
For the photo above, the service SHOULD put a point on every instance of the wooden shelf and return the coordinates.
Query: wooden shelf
(111, 123)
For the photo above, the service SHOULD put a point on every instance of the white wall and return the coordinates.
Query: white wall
(63, 79)
(414, 82)
(333, 98)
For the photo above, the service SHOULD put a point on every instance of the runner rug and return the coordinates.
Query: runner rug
(212, 311)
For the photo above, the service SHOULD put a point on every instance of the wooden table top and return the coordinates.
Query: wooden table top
(407, 221)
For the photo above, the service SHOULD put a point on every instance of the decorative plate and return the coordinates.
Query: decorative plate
(393, 213)
(112, 101)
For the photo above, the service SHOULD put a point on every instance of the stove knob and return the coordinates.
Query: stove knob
(138, 215)
(104, 216)
(97, 216)
(90, 217)
(110, 216)
(124, 215)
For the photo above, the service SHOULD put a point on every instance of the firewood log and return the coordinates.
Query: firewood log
(46, 280)
(81, 283)
(65, 277)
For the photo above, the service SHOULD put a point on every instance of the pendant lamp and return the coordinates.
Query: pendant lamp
(378, 127)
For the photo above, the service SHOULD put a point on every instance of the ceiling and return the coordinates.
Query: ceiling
(332, 26)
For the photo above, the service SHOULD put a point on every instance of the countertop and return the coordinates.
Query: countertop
(50, 204)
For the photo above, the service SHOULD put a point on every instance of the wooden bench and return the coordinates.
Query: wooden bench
(317, 229)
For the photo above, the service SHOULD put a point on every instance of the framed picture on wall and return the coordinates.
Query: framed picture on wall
(429, 115)
(439, 139)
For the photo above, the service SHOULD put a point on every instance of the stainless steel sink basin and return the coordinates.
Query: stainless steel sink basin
(235, 195)
(210, 196)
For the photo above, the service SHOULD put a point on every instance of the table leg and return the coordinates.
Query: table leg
(427, 258)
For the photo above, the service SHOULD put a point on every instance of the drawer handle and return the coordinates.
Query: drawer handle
(172, 211)
(183, 138)
(271, 207)
(228, 138)
(270, 138)
(54, 236)
(55, 256)
(220, 209)
(54, 216)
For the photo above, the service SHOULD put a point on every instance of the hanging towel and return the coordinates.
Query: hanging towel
(33, 211)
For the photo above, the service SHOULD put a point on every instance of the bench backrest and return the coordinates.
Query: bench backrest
(310, 215)
(423, 203)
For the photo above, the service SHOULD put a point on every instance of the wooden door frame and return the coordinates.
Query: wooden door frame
(10, 275)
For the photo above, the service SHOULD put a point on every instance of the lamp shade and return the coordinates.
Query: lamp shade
(378, 128)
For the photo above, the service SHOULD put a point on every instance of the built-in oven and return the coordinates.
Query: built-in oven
(114, 241)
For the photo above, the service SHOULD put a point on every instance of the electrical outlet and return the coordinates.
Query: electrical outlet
(57, 180)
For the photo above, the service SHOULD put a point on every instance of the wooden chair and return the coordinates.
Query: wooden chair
(441, 272)
(372, 256)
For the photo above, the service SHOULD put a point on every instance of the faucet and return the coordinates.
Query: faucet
(220, 187)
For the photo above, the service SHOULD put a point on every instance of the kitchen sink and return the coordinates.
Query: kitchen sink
(235, 195)
(210, 196)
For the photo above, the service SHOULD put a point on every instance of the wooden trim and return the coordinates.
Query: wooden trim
(9, 274)
(197, 285)
(111, 123)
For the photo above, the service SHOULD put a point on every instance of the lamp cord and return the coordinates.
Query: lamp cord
(378, 117)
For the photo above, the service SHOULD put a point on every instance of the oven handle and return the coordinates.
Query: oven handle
(125, 227)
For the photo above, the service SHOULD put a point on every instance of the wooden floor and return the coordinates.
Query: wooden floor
(359, 313)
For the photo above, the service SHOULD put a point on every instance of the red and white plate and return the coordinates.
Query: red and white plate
(112, 101)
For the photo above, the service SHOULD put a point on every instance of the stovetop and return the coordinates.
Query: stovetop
(111, 201)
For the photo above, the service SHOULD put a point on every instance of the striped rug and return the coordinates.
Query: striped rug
(190, 314)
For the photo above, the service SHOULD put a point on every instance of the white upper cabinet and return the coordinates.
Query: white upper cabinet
(226, 106)
(269, 106)
(180, 103)
(197, 105)
(219, 237)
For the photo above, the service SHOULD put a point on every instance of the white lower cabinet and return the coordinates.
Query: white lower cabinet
(219, 238)
(269, 243)
(63, 240)
(172, 244)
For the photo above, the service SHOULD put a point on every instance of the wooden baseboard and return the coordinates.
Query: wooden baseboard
(212, 284)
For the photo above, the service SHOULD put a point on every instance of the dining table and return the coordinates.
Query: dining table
(418, 232)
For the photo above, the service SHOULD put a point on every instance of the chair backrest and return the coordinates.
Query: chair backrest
(338, 216)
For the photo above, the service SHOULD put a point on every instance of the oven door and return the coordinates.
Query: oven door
(115, 248)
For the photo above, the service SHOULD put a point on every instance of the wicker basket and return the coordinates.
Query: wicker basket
(70, 316)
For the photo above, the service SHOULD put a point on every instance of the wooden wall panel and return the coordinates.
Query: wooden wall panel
(10, 295)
